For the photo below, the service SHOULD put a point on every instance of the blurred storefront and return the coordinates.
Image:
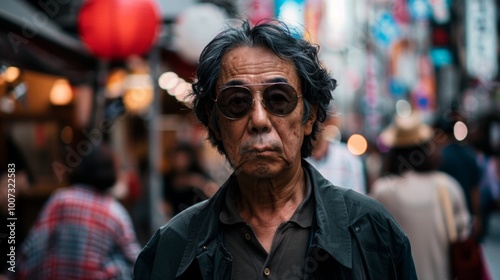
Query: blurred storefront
(388, 56)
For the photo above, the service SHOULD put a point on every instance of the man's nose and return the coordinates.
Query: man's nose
(259, 117)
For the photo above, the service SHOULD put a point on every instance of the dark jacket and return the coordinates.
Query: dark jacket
(354, 238)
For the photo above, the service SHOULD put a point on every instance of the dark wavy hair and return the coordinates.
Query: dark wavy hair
(420, 158)
(274, 35)
(97, 169)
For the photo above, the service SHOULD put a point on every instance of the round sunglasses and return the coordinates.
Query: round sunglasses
(235, 101)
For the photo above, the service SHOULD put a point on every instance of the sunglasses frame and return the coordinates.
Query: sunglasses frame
(246, 86)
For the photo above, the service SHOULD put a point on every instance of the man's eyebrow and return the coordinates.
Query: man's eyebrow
(233, 83)
(278, 80)
(241, 83)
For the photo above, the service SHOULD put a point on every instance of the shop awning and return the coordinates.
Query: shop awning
(29, 39)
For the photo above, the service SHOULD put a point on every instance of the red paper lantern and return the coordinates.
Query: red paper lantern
(116, 29)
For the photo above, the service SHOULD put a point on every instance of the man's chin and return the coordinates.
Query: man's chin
(258, 169)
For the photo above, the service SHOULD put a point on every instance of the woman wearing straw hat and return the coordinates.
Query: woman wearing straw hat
(410, 189)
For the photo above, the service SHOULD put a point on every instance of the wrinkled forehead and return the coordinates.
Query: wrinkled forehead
(255, 65)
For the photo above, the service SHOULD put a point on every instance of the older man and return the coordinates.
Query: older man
(262, 94)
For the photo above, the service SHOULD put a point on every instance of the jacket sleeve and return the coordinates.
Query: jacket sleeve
(163, 255)
(144, 264)
(406, 266)
(383, 243)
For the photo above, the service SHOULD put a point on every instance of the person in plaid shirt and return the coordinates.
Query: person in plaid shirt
(82, 232)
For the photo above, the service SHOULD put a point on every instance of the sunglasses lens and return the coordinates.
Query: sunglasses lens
(280, 99)
(234, 102)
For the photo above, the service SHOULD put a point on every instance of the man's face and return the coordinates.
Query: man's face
(261, 144)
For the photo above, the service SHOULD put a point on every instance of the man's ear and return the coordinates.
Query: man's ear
(213, 122)
(308, 126)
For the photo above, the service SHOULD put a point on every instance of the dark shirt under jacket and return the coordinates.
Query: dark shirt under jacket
(289, 248)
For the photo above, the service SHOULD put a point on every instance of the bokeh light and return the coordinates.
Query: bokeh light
(11, 74)
(332, 133)
(168, 80)
(460, 131)
(61, 93)
(115, 83)
(357, 144)
(403, 108)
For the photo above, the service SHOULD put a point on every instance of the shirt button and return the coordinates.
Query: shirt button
(247, 236)
(357, 228)
(267, 271)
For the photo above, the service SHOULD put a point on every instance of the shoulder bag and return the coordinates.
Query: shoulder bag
(466, 258)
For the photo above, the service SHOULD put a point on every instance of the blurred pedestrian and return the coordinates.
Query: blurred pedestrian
(489, 187)
(262, 93)
(186, 182)
(458, 159)
(82, 232)
(332, 158)
(410, 189)
(486, 142)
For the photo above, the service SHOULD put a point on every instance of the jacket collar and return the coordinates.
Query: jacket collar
(332, 221)
(204, 225)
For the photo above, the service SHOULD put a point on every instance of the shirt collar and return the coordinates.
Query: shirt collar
(303, 215)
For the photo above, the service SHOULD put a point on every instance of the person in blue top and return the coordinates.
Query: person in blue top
(458, 159)
(262, 93)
